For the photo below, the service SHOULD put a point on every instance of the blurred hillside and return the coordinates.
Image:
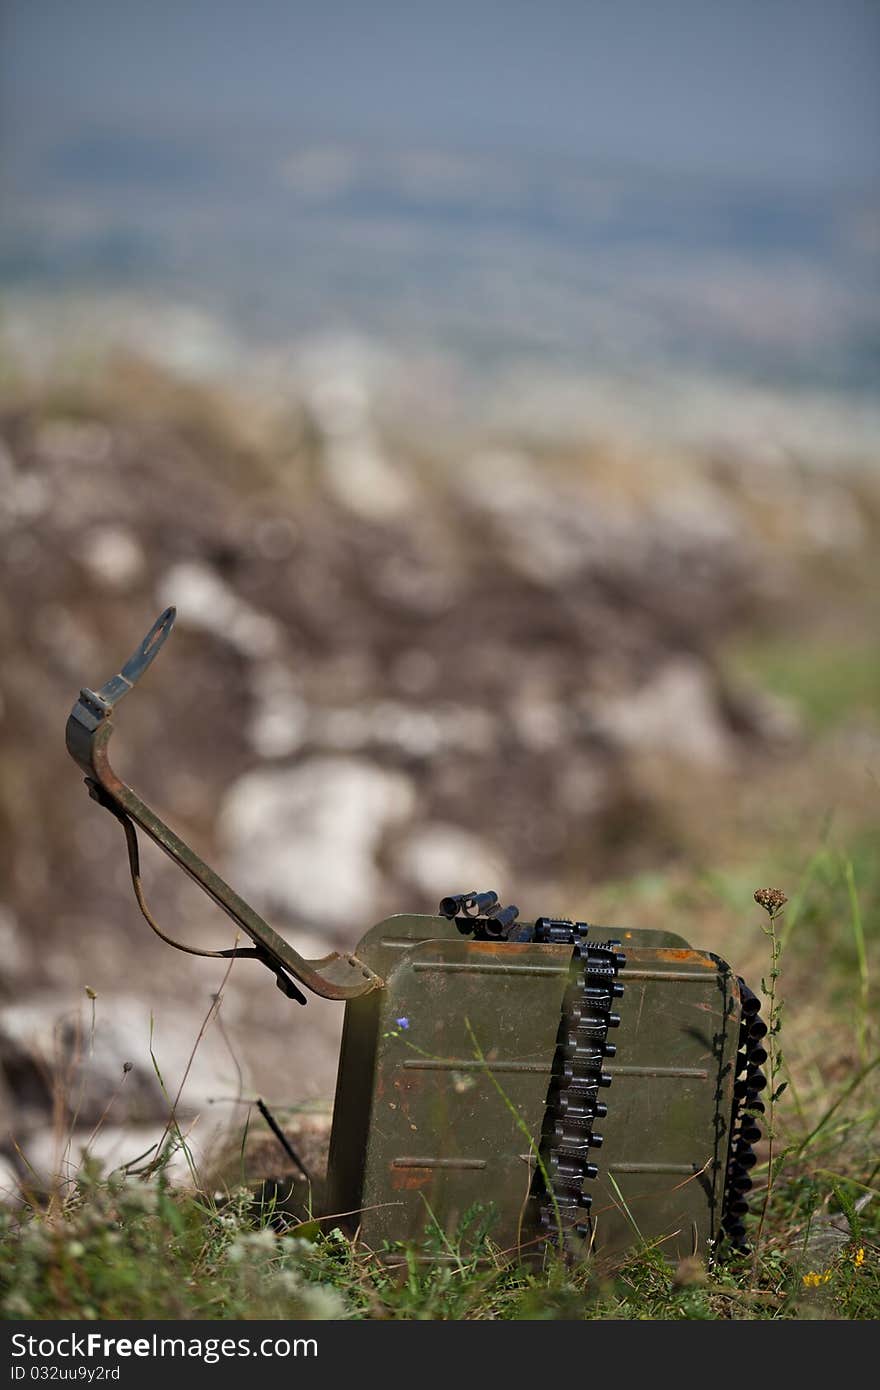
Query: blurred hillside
(406, 663)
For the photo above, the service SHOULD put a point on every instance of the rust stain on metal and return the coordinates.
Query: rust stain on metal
(681, 955)
(677, 977)
(510, 948)
(410, 1179)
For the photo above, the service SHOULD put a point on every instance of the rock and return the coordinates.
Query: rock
(415, 731)
(50, 1054)
(307, 1130)
(10, 1192)
(548, 533)
(204, 601)
(303, 840)
(440, 859)
(826, 1238)
(358, 471)
(54, 1156)
(113, 556)
(279, 723)
(362, 478)
(675, 713)
(540, 724)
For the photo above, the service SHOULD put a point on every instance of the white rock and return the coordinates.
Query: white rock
(440, 859)
(10, 1192)
(303, 840)
(540, 724)
(416, 731)
(55, 1036)
(412, 729)
(550, 528)
(280, 719)
(58, 1157)
(364, 479)
(674, 713)
(357, 470)
(204, 601)
(112, 555)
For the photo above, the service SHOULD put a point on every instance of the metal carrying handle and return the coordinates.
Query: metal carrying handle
(89, 727)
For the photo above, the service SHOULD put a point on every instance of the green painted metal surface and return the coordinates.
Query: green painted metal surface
(445, 1110)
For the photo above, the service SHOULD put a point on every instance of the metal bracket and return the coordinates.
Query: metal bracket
(89, 727)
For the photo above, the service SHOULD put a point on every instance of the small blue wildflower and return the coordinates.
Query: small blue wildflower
(402, 1022)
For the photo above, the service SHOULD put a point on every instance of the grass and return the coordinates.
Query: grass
(117, 1246)
(831, 680)
(128, 1249)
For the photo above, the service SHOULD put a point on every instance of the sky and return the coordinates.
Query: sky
(615, 184)
(772, 89)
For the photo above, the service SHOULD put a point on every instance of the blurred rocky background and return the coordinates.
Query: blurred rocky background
(522, 519)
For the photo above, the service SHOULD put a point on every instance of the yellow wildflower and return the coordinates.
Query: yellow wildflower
(815, 1278)
(859, 1257)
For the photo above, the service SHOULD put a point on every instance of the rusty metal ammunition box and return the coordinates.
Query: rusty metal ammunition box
(479, 1053)
(446, 1078)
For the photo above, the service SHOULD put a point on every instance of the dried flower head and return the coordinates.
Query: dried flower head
(690, 1272)
(772, 900)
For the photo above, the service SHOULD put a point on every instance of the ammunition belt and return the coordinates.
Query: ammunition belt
(745, 1131)
(568, 1135)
